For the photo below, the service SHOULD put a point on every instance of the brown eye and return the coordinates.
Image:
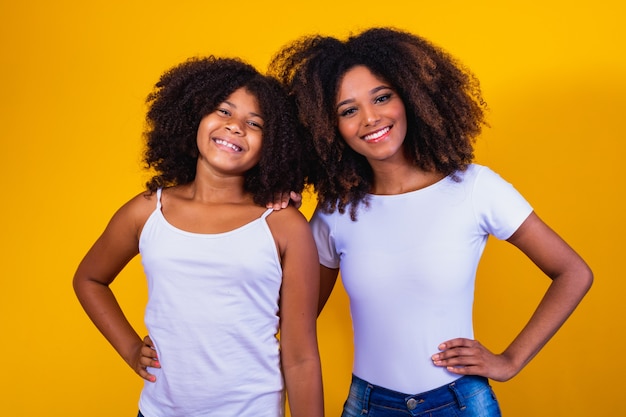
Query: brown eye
(347, 112)
(255, 125)
(382, 98)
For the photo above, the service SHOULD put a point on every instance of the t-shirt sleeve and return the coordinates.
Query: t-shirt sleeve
(320, 225)
(500, 208)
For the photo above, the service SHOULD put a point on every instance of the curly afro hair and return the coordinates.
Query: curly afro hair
(443, 102)
(191, 90)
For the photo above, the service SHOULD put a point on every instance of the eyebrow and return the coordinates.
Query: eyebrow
(251, 113)
(372, 91)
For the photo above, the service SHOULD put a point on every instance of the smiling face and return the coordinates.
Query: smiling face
(230, 138)
(371, 116)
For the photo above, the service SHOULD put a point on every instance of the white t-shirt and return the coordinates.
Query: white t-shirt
(408, 264)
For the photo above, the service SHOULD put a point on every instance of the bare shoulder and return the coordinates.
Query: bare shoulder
(295, 243)
(289, 225)
(287, 218)
(143, 202)
(136, 211)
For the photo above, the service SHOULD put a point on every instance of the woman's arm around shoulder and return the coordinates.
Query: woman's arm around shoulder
(298, 312)
(117, 245)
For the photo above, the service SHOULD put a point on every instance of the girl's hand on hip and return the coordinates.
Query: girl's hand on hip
(147, 358)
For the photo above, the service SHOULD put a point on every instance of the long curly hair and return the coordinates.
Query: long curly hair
(188, 92)
(443, 102)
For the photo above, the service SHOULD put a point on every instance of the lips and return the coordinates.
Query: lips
(375, 136)
(227, 144)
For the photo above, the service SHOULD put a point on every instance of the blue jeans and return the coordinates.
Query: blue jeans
(468, 396)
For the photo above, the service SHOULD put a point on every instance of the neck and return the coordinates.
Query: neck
(399, 179)
(218, 188)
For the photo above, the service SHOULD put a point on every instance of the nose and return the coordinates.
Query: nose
(370, 116)
(234, 127)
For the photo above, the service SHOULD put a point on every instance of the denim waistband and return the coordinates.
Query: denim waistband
(456, 392)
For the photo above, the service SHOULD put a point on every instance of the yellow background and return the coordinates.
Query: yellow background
(74, 75)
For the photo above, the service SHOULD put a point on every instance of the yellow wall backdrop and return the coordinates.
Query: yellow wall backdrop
(74, 75)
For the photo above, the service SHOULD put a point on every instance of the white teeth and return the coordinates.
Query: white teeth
(376, 135)
(228, 144)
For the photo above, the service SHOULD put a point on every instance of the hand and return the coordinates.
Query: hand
(147, 358)
(469, 357)
(282, 200)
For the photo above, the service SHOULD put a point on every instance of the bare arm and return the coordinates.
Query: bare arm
(117, 245)
(298, 308)
(328, 276)
(571, 279)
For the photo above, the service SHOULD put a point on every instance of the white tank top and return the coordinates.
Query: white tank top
(212, 314)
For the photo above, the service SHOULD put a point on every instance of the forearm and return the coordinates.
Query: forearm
(101, 306)
(571, 279)
(560, 300)
(304, 388)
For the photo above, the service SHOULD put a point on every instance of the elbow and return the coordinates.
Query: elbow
(76, 284)
(583, 279)
(84, 285)
(80, 288)
(587, 278)
(577, 279)
(79, 282)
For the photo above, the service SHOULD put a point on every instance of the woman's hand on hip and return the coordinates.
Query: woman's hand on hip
(469, 357)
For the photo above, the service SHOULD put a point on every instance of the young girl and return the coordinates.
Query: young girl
(405, 215)
(225, 275)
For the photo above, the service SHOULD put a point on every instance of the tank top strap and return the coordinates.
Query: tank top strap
(158, 198)
(267, 213)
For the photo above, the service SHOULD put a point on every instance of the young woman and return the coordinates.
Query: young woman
(404, 214)
(225, 275)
